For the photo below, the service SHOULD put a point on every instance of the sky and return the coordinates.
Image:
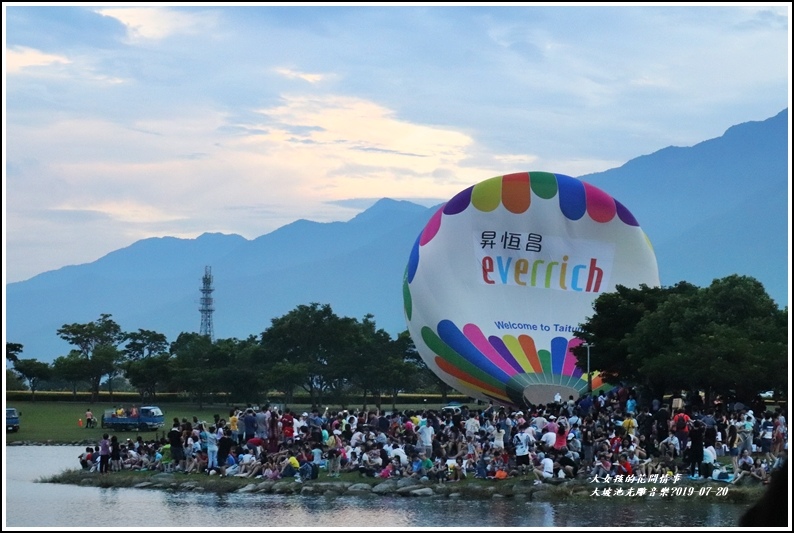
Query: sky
(137, 120)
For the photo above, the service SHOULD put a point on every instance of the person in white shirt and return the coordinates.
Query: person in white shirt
(426, 434)
(522, 444)
(548, 439)
(672, 442)
(397, 451)
(498, 439)
(546, 470)
(472, 425)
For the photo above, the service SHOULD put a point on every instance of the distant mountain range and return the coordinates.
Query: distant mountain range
(711, 210)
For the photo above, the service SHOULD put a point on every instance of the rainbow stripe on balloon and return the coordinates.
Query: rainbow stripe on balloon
(501, 368)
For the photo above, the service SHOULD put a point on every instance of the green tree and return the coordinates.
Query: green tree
(379, 364)
(146, 361)
(13, 381)
(149, 374)
(303, 346)
(97, 342)
(245, 377)
(74, 369)
(13, 350)
(615, 315)
(144, 343)
(194, 369)
(33, 371)
(729, 338)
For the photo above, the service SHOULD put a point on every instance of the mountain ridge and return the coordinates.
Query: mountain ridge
(712, 209)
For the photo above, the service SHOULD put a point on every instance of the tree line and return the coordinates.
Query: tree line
(729, 339)
(309, 348)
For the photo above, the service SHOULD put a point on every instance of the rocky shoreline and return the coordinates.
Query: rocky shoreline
(520, 488)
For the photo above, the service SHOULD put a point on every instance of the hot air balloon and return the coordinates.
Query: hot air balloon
(502, 276)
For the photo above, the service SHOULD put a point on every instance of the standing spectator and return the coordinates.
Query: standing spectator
(631, 405)
(249, 425)
(696, 450)
(426, 435)
(680, 424)
(233, 425)
(212, 449)
(662, 419)
(521, 443)
(746, 432)
(177, 448)
(104, 454)
(262, 425)
(767, 431)
(779, 437)
(288, 428)
(733, 446)
(472, 425)
(588, 441)
(115, 454)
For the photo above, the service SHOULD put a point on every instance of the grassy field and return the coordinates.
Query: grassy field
(57, 422)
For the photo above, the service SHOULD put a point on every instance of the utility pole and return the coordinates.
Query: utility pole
(589, 381)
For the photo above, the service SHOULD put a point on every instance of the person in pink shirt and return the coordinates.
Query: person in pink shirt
(562, 438)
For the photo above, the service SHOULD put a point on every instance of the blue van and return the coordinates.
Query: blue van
(12, 419)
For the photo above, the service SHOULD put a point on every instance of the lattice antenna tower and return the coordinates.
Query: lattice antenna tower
(207, 305)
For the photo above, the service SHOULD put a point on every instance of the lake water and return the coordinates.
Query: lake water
(36, 505)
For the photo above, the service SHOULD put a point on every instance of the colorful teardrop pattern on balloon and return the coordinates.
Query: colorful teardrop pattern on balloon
(502, 367)
(516, 193)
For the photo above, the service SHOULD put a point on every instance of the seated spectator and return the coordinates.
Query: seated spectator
(633, 459)
(603, 466)
(709, 461)
(418, 466)
(757, 471)
(370, 463)
(624, 467)
(387, 471)
(457, 470)
(671, 445)
(745, 461)
(566, 463)
(668, 465)
(290, 467)
(439, 471)
(86, 458)
(545, 470)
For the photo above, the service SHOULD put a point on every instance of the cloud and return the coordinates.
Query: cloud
(19, 58)
(292, 74)
(156, 23)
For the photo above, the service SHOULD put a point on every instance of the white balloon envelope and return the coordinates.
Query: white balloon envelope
(506, 271)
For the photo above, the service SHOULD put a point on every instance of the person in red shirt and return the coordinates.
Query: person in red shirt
(624, 466)
(288, 426)
(680, 426)
(254, 443)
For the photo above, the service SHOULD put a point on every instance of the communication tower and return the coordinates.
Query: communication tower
(207, 306)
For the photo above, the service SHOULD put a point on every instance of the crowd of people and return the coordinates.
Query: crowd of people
(607, 435)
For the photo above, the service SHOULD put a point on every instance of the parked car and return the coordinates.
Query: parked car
(453, 409)
(12, 419)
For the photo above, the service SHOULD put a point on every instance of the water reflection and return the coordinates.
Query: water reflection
(30, 504)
